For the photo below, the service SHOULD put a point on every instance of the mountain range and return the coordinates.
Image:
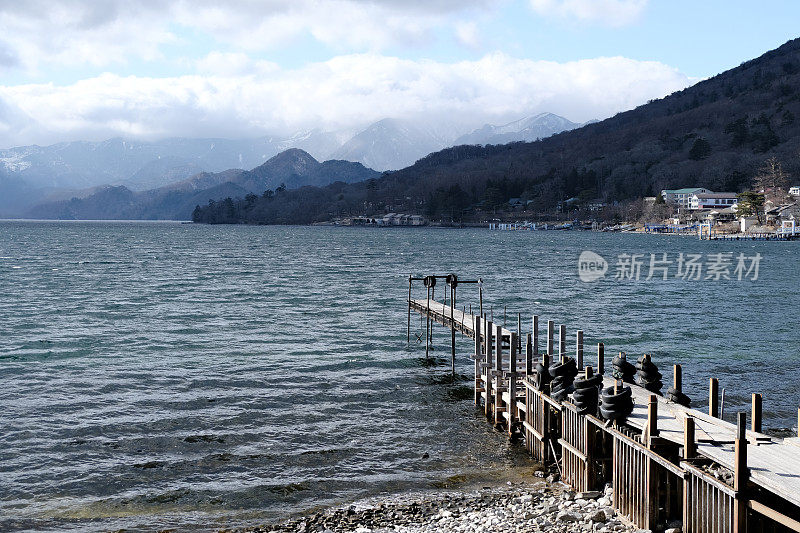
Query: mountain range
(30, 175)
(177, 200)
(721, 134)
(526, 129)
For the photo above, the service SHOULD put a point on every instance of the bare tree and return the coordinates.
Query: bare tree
(772, 180)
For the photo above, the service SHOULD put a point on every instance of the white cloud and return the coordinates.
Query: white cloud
(81, 32)
(345, 92)
(233, 64)
(609, 12)
(467, 34)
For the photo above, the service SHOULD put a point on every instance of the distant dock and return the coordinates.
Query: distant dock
(666, 462)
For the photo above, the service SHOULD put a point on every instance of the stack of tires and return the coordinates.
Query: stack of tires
(622, 369)
(541, 376)
(674, 395)
(647, 375)
(617, 406)
(587, 393)
(563, 374)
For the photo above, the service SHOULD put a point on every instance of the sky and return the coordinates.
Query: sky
(148, 69)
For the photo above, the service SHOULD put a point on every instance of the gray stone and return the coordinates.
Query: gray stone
(597, 516)
(568, 516)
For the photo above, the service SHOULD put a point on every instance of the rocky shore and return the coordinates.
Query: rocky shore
(514, 507)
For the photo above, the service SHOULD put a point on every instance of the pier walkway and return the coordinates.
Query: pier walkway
(666, 462)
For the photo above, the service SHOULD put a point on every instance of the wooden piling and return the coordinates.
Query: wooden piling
(601, 351)
(652, 419)
(487, 404)
(498, 373)
(529, 355)
(755, 416)
(740, 475)
(579, 349)
(478, 361)
(689, 444)
(511, 406)
(519, 332)
(480, 295)
(713, 397)
(550, 332)
(562, 342)
(535, 331)
(677, 378)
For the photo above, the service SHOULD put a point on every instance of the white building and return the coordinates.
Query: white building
(794, 191)
(401, 219)
(712, 200)
(680, 197)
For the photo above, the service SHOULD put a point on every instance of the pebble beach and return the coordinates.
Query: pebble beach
(542, 505)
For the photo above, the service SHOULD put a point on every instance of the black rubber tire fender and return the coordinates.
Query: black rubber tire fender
(613, 414)
(590, 383)
(567, 368)
(643, 381)
(609, 396)
(584, 395)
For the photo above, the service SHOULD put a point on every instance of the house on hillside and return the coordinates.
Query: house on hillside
(775, 215)
(794, 191)
(680, 197)
(567, 204)
(516, 203)
(400, 219)
(712, 200)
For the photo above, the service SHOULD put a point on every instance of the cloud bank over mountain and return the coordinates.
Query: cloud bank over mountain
(237, 97)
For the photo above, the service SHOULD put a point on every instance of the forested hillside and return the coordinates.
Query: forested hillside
(715, 134)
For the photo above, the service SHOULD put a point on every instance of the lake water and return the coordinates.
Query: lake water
(162, 375)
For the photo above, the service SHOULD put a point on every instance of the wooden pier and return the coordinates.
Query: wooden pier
(665, 462)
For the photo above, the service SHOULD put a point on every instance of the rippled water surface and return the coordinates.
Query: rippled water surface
(163, 375)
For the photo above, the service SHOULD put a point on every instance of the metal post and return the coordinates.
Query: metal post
(409, 310)
(550, 331)
(452, 331)
(428, 324)
(562, 342)
(535, 331)
(579, 349)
